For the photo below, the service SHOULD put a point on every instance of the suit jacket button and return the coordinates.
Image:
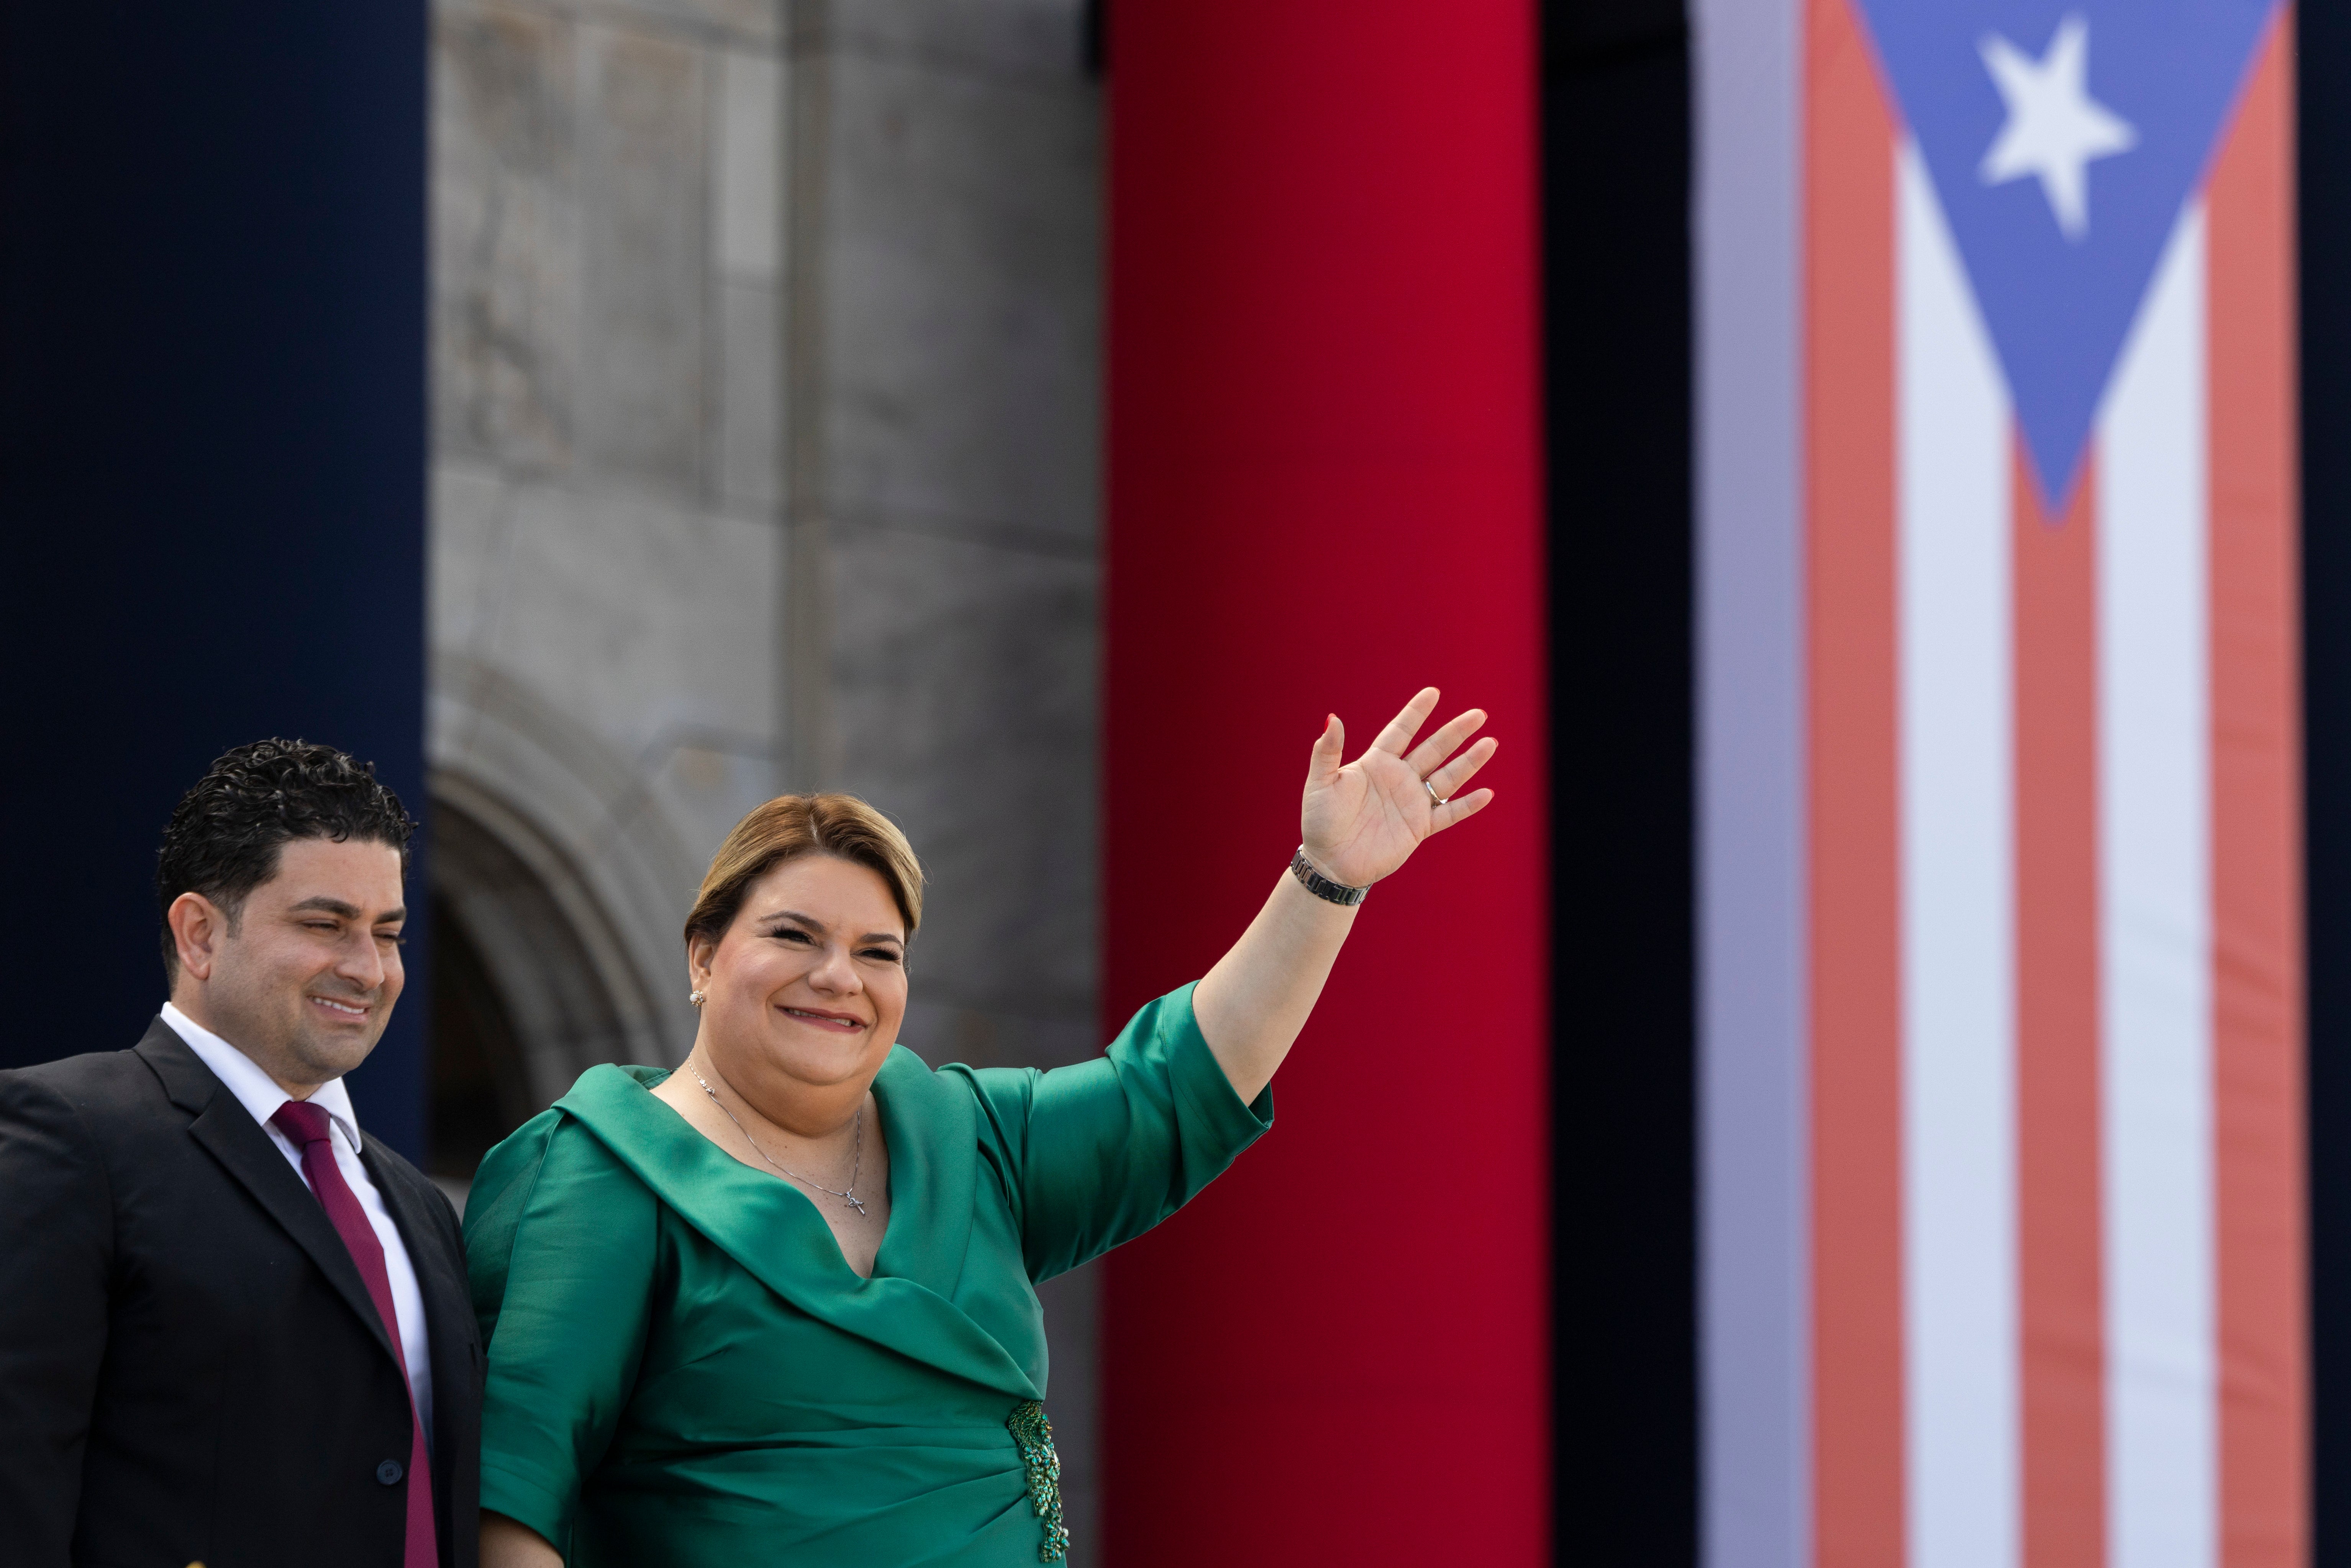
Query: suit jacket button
(388, 1472)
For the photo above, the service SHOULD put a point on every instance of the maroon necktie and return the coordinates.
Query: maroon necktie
(307, 1125)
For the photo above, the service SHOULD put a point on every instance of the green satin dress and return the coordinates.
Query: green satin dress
(684, 1371)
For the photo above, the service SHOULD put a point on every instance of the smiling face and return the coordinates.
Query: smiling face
(806, 990)
(304, 979)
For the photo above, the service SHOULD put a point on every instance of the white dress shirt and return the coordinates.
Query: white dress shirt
(260, 1095)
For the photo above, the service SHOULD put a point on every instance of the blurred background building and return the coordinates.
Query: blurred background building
(765, 412)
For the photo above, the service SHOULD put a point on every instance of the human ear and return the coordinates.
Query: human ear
(197, 927)
(701, 956)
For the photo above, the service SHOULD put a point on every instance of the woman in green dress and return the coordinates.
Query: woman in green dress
(779, 1306)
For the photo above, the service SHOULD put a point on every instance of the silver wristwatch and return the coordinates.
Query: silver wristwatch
(1322, 886)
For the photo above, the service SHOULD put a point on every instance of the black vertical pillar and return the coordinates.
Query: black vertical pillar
(212, 459)
(2324, 155)
(1616, 116)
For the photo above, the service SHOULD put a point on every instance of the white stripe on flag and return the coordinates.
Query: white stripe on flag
(1957, 922)
(2155, 898)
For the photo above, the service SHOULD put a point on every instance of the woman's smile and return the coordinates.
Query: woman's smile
(838, 1023)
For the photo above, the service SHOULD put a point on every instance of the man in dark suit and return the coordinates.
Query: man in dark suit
(234, 1329)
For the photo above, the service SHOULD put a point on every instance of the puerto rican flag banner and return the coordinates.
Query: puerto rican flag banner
(2001, 994)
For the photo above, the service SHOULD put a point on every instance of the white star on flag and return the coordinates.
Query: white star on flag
(2054, 127)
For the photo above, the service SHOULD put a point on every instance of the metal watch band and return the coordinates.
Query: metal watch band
(1322, 886)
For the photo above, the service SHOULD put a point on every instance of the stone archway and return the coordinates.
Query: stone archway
(532, 985)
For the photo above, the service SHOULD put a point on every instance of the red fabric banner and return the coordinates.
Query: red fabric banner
(1324, 492)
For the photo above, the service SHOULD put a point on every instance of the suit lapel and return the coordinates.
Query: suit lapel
(236, 1140)
(448, 1309)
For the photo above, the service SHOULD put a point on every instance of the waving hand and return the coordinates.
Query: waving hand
(1363, 818)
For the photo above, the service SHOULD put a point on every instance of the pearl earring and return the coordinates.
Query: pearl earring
(694, 996)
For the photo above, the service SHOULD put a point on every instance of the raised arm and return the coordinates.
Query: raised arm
(1358, 822)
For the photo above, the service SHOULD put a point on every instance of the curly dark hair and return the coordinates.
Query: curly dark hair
(224, 837)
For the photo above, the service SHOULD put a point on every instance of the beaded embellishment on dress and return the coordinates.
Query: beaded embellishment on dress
(1033, 1436)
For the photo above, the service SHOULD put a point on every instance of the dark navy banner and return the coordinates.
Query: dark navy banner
(212, 433)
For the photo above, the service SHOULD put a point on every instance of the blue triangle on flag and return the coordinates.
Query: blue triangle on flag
(2064, 137)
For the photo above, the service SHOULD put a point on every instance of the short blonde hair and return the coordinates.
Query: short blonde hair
(790, 827)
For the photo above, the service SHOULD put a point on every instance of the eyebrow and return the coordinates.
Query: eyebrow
(797, 918)
(336, 907)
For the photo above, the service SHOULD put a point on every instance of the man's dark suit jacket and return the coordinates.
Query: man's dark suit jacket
(191, 1368)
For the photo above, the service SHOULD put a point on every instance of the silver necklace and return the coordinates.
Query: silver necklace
(857, 1157)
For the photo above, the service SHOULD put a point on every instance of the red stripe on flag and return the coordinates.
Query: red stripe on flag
(2062, 1353)
(1854, 851)
(2257, 991)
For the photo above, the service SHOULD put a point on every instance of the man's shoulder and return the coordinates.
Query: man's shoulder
(389, 1164)
(156, 1084)
(110, 1106)
(96, 1081)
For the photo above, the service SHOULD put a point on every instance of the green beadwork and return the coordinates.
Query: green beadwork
(1033, 1436)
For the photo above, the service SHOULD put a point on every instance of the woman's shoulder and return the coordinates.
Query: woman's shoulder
(956, 1089)
(599, 1097)
(1163, 1029)
(568, 1145)
(554, 1187)
(612, 1084)
(909, 1079)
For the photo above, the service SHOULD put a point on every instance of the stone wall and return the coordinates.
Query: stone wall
(765, 351)
(608, 552)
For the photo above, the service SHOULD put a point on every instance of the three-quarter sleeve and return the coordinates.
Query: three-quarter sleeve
(1101, 1152)
(560, 1238)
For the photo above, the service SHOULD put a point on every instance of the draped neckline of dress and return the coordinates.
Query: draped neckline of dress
(776, 1233)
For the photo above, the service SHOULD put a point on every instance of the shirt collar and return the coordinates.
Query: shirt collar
(256, 1090)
